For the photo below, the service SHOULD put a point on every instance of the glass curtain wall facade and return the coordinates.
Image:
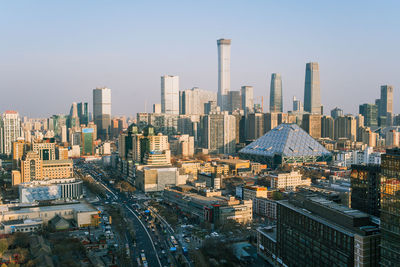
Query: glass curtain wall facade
(390, 208)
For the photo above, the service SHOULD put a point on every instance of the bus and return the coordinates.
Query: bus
(173, 241)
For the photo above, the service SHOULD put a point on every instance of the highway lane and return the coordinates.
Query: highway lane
(143, 238)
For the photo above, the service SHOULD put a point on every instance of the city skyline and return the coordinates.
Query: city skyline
(73, 70)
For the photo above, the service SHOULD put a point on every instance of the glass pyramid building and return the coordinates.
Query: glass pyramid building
(286, 143)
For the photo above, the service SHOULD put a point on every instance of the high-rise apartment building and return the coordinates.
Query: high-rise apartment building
(312, 97)
(254, 126)
(276, 96)
(390, 209)
(170, 94)
(224, 72)
(235, 101)
(346, 127)
(219, 133)
(312, 125)
(191, 101)
(386, 104)
(102, 111)
(10, 130)
(327, 127)
(247, 99)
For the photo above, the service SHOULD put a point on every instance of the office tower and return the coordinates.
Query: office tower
(312, 97)
(270, 121)
(224, 72)
(254, 126)
(313, 231)
(218, 133)
(392, 138)
(297, 105)
(170, 94)
(10, 130)
(56, 122)
(360, 120)
(365, 188)
(247, 99)
(46, 149)
(73, 116)
(235, 101)
(211, 107)
(346, 127)
(276, 96)
(157, 108)
(312, 125)
(386, 104)
(83, 113)
(87, 141)
(327, 127)
(390, 209)
(336, 112)
(370, 113)
(102, 111)
(191, 101)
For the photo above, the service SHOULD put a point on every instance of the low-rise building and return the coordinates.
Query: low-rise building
(83, 213)
(156, 178)
(214, 209)
(288, 181)
(52, 189)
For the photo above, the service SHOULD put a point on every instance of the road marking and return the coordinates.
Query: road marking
(152, 243)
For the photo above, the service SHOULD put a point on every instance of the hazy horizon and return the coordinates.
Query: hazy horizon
(55, 53)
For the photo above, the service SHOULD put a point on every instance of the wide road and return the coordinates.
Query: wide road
(143, 239)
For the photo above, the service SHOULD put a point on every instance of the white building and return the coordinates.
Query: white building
(247, 99)
(289, 181)
(219, 133)
(192, 101)
(170, 94)
(367, 156)
(224, 72)
(10, 130)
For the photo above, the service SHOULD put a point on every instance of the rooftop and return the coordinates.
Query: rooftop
(287, 140)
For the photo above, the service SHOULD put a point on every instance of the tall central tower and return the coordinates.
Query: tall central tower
(102, 111)
(312, 97)
(224, 72)
(276, 97)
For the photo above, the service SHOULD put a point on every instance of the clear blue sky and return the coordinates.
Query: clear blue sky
(56, 52)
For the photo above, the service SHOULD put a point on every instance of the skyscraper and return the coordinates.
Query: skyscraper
(73, 116)
(297, 105)
(224, 72)
(10, 130)
(386, 103)
(390, 209)
(336, 112)
(370, 113)
(218, 133)
(83, 113)
(312, 97)
(102, 111)
(247, 99)
(276, 97)
(170, 94)
(192, 101)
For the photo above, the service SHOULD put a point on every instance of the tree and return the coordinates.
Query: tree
(3, 245)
